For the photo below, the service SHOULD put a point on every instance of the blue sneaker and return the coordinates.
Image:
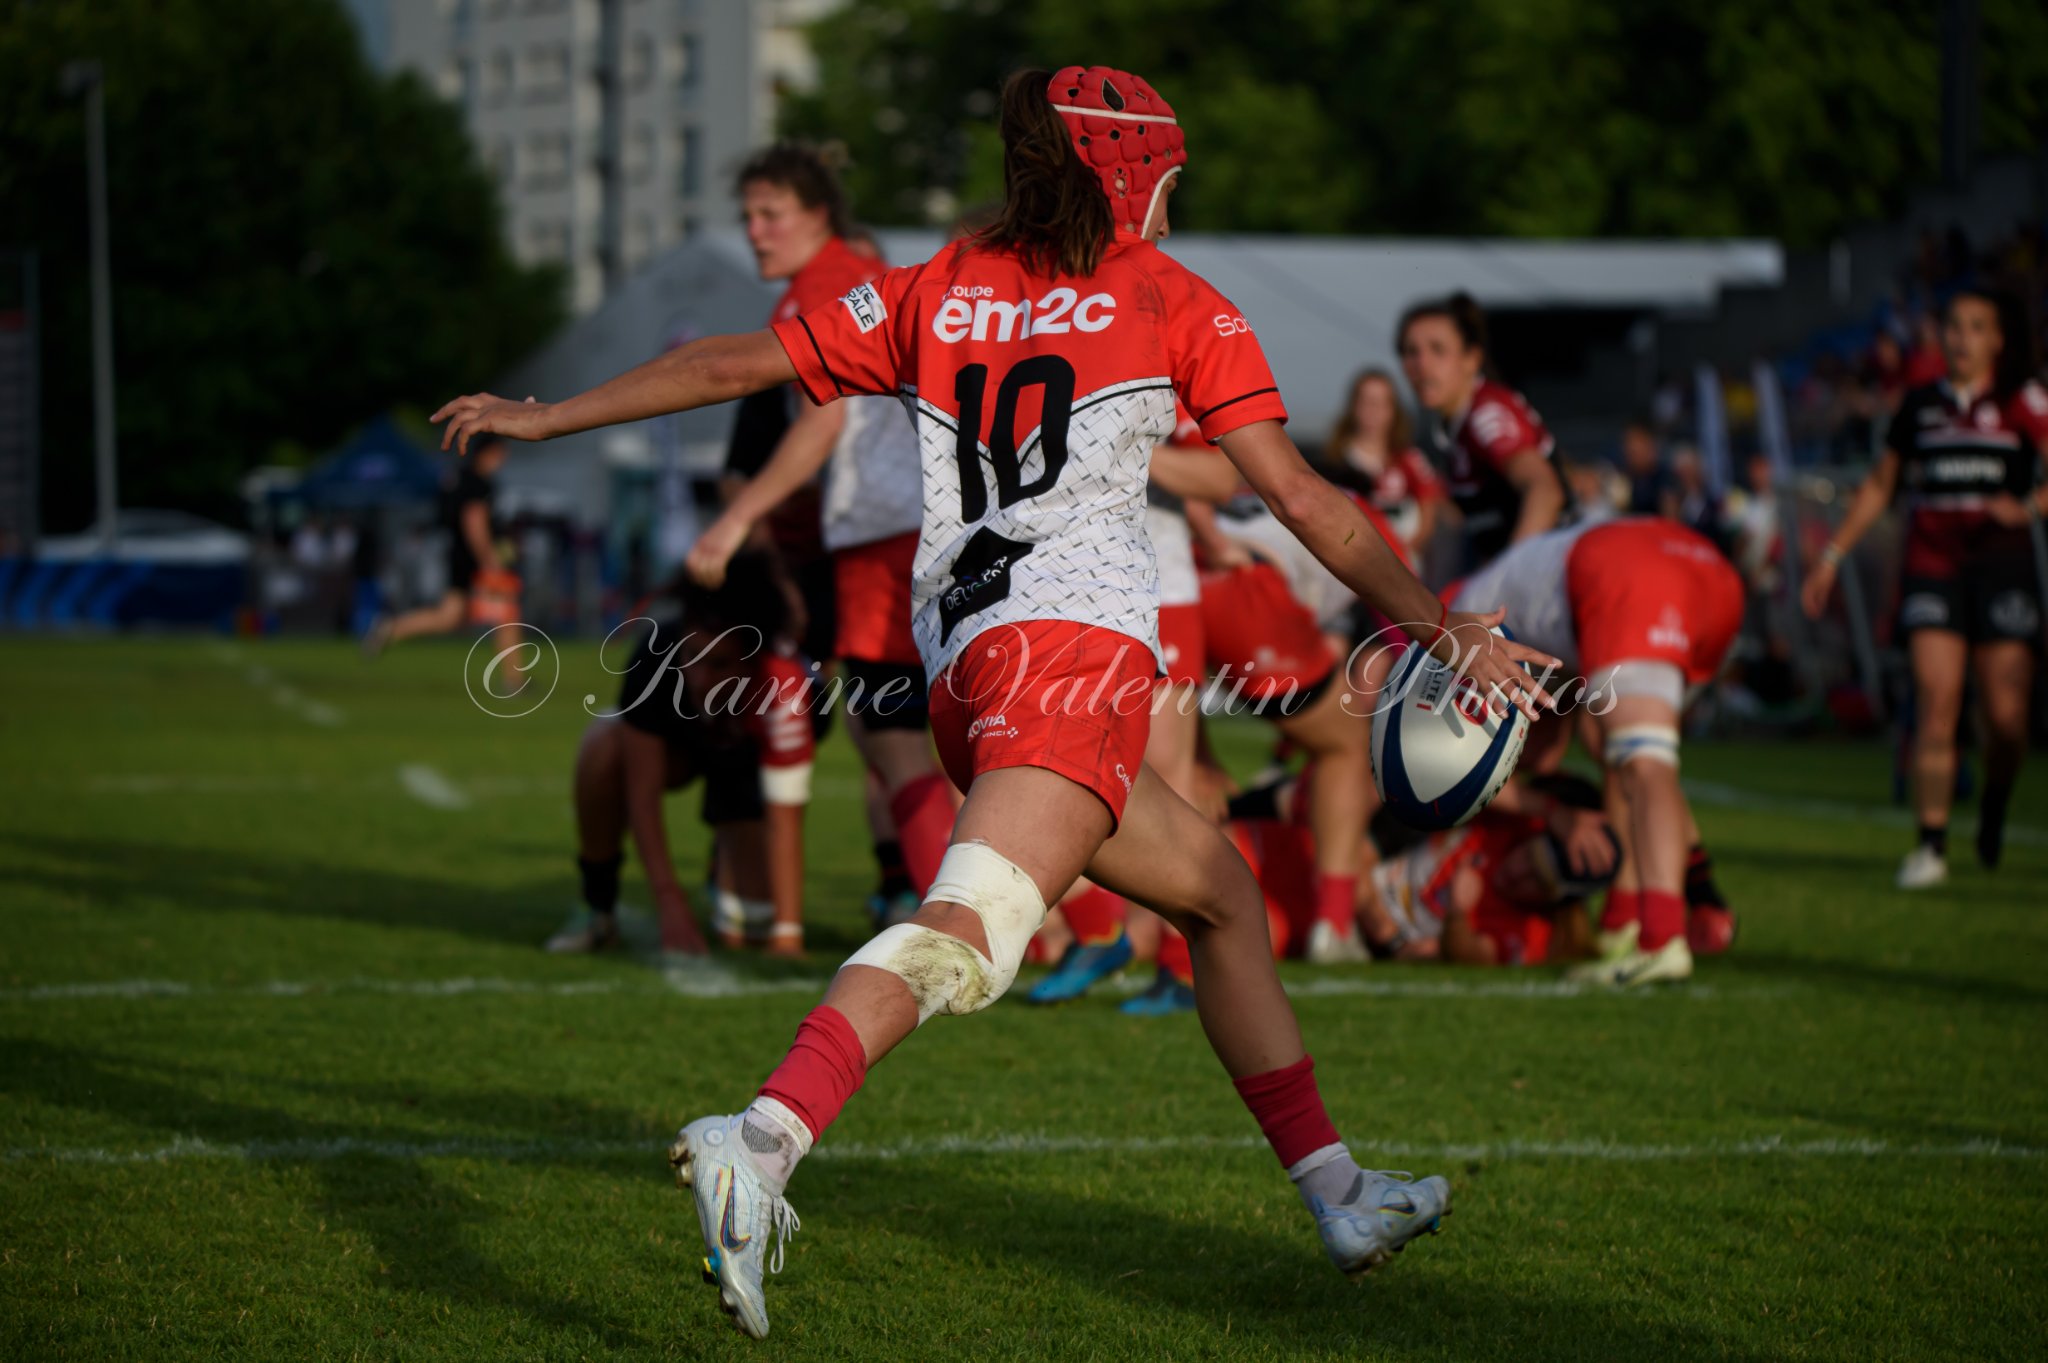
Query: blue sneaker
(1081, 968)
(1166, 997)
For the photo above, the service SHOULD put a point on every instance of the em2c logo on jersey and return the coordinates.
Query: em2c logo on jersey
(866, 306)
(970, 312)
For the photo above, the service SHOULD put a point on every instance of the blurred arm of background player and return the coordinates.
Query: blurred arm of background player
(476, 528)
(1582, 831)
(1219, 550)
(1338, 534)
(646, 757)
(1194, 474)
(786, 870)
(1869, 503)
(1535, 477)
(803, 450)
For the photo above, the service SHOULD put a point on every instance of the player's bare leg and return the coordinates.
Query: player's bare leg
(1938, 657)
(599, 794)
(1639, 737)
(1336, 730)
(2005, 680)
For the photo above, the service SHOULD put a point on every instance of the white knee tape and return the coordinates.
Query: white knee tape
(945, 974)
(1642, 742)
(1641, 677)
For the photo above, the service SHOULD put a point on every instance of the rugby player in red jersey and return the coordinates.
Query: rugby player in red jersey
(868, 512)
(1040, 359)
(1644, 610)
(1965, 452)
(1498, 458)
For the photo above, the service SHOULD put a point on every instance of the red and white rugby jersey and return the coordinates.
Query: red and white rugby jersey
(873, 486)
(1415, 887)
(1529, 579)
(1954, 457)
(1167, 523)
(1313, 585)
(1497, 425)
(1037, 402)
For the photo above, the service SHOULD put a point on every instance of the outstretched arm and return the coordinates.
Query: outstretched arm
(1340, 536)
(696, 374)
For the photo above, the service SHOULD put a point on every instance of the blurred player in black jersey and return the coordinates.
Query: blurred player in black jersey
(712, 693)
(482, 588)
(1965, 453)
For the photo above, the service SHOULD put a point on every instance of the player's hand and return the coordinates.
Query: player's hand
(1814, 592)
(2008, 510)
(672, 911)
(714, 549)
(481, 413)
(1586, 845)
(1494, 664)
(1224, 553)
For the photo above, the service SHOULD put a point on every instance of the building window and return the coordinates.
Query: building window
(639, 155)
(548, 241)
(687, 226)
(546, 74)
(498, 76)
(639, 241)
(639, 67)
(686, 64)
(500, 160)
(547, 161)
(453, 82)
(691, 176)
(497, 9)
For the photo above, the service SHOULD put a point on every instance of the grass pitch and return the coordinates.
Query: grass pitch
(285, 1076)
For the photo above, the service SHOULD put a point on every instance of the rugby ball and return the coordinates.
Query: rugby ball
(1439, 753)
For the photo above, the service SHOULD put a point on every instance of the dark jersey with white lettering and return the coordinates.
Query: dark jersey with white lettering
(1037, 401)
(1955, 455)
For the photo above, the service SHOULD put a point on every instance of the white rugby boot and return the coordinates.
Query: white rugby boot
(1329, 946)
(1378, 1217)
(1922, 869)
(743, 1219)
(1668, 964)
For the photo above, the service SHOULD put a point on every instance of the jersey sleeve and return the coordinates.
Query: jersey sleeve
(2030, 414)
(781, 725)
(1902, 436)
(1219, 370)
(1498, 431)
(849, 345)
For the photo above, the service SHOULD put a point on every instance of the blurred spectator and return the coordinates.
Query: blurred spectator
(1372, 453)
(1694, 504)
(1925, 362)
(1651, 491)
(1754, 526)
(1598, 491)
(1884, 370)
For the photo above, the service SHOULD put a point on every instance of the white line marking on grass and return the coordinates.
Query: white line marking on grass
(1021, 1144)
(145, 784)
(430, 787)
(1837, 811)
(711, 980)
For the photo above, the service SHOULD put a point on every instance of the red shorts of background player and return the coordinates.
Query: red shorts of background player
(1181, 644)
(1651, 591)
(1520, 935)
(1071, 698)
(1253, 626)
(873, 591)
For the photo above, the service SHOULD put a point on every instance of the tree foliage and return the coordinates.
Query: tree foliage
(297, 241)
(1517, 117)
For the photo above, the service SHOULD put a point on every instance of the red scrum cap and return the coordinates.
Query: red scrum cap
(1125, 132)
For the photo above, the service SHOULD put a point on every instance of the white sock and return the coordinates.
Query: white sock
(775, 1139)
(1329, 1174)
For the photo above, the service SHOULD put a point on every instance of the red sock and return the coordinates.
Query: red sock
(1337, 900)
(1623, 907)
(1095, 915)
(1173, 955)
(825, 1064)
(1663, 918)
(923, 811)
(1289, 1110)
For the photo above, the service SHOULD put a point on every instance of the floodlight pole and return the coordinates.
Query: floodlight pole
(88, 78)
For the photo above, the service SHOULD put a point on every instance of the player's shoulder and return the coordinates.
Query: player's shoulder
(2029, 406)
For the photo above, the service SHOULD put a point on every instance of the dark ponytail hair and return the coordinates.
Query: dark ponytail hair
(1055, 217)
(1459, 310)
(2016, 360)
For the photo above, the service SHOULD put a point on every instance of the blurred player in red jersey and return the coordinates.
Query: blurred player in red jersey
(1642, 610)
(1496, 453)
(1040, 359)
(711, 694)
(1966, 453)
(1372, 452)
(869, 513)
